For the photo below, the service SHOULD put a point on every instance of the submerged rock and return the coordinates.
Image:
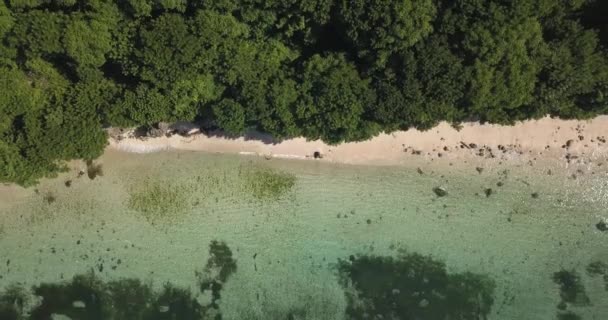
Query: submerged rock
(602, 226)
(488, 192)
(440, 191)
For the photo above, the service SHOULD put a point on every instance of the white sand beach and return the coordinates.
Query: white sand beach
(552, 138)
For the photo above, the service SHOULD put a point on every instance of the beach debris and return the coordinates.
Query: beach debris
(68, 183)
(79, 304)
(440, 191)
(163, 309)
(317, 155)
(602, 225)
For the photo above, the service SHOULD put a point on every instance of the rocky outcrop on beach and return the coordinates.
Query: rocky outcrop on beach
(157, 130)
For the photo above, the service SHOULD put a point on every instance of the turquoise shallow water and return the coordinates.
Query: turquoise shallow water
(336, 242)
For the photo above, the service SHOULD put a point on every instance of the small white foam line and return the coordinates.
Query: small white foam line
(134, 148)
(288, 156)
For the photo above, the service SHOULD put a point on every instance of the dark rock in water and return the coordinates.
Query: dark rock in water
(602, 226)
(49, 198)
(420, 171)
(94, 170)
(68, 183)
(479, 169)
(440, 192)
(535, 195)
(500, 183)
(488, 192)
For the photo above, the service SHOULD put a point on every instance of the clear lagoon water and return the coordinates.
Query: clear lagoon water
(185, 235)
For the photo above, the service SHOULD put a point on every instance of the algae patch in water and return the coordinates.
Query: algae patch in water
(412, 286)
(266, 183)
(159, 200)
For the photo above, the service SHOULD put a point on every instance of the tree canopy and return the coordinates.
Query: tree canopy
(322, 69)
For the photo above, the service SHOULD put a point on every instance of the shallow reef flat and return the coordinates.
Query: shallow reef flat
(191, 235)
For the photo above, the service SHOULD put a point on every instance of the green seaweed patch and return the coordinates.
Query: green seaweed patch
(412, 286)
(160, 201)
(265, 183)
(571, 289)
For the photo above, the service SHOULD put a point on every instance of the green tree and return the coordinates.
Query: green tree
(425, 86)
(230, 116)
(6, 20)
(502, 46)
(334, 100)
(379, 28)
(39, 33)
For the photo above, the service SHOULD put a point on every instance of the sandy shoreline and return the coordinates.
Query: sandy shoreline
(545, 138)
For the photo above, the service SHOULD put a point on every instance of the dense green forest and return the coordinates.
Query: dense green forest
(337, 70)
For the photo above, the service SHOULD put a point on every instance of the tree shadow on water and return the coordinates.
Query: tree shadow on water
(412, 286)
(86, 296)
